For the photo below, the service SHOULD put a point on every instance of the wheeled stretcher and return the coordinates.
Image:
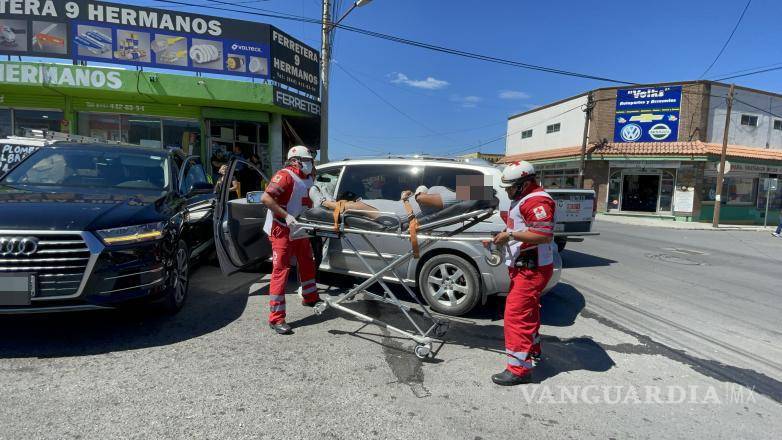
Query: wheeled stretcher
(447, 224)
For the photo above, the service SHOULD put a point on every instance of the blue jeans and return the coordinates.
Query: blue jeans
(779, 228)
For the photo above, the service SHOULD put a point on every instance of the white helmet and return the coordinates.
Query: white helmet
(300, 151)
(516, 171)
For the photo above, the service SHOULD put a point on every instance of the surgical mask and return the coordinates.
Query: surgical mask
(306, 167)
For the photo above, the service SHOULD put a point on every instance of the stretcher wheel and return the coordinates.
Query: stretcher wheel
(442, 328)
(422, 351)
(320, 307)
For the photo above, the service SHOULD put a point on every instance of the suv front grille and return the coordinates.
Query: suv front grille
(59, 263)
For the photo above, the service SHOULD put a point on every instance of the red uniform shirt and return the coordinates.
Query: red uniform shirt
(538, 213)
(281, 187)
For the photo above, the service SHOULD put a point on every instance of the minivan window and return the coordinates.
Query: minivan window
(378, 181)
(92, 168)
(446, 176)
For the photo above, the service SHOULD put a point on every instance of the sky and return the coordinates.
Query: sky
(392, 98)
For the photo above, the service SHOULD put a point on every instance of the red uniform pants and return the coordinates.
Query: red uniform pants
(283, 249)
(522, 316)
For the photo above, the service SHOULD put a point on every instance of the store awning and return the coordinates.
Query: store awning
(683, 150)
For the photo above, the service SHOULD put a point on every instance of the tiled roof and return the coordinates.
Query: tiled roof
(694, 148)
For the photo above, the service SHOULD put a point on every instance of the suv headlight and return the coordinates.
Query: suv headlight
(132, 234)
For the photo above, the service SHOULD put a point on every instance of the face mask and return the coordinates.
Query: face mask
(306, 167)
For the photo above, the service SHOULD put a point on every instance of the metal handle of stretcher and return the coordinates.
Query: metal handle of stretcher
(494, 258)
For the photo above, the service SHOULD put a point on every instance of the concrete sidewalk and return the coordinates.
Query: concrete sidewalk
(671, 224)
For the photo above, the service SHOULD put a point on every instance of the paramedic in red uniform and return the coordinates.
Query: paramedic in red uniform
(286, 197)
(530, 259)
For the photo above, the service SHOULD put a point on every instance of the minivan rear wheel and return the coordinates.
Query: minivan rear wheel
(450, 284)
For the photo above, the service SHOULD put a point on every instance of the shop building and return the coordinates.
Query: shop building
(246, 88)
(197, 114)
(654, 150)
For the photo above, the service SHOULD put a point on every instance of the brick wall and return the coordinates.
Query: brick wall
(603, 114)
(596, 178)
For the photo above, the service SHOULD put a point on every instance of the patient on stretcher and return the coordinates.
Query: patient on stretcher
(423, 201)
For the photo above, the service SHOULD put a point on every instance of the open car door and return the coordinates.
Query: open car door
(238, 225)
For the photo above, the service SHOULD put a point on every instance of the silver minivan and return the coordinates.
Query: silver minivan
(452, 276)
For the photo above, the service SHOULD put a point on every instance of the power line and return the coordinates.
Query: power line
(507, 135)
(771, 69)
(728, 40)
(749, 69)
(405, 41)
(387, 102)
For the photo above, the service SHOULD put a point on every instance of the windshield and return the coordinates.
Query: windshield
(92, 168)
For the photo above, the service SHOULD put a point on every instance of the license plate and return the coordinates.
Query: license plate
(16, 289)
(559, 228)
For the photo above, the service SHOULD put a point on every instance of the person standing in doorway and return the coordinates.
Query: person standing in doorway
(286, 197)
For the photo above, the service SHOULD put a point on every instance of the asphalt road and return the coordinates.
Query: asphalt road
(652, 333)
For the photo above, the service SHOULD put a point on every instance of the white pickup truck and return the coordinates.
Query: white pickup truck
(574, 215)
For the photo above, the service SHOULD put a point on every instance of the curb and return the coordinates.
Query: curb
(667, 224)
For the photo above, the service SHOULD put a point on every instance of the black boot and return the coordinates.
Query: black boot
(506, 378)
(282, 328)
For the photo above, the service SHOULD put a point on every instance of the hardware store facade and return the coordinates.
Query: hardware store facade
(198, 114)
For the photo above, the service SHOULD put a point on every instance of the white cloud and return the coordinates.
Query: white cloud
(513, 94)
(470, 101)
(429, 83)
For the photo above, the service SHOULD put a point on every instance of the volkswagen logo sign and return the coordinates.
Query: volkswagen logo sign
(631, 132)
(18, 246)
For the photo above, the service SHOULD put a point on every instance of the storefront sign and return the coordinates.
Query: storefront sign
(59, 75)
(294, 63)
(85, 30)
(293, 101)
(11, 154)
(746, 168)
(683, 199)
(648, 114)
(643, 164)
(557, 166)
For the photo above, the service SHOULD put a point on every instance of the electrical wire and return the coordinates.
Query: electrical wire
(384, 100)
(461, 53)
(749, 69)
(741, 17)
(749, 74)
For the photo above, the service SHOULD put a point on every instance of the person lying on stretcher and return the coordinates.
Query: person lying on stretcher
(423, 200)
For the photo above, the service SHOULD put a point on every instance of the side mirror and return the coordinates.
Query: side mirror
(199, 188)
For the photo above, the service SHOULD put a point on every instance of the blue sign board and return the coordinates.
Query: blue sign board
(647, 114)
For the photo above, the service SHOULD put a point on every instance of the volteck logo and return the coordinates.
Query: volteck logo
(246, 48)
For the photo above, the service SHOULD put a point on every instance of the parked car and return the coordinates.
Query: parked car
(86, 226)
(240, 242)
(574, 216)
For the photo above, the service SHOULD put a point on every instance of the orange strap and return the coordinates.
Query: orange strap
(341, 204)
(413, 228)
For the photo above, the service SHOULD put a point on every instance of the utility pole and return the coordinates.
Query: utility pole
(325, 64)
(721, 172)
(587, 119)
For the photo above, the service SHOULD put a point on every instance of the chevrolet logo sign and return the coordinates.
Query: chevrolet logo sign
(646, 117)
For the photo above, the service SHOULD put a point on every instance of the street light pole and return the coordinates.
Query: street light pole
(325, 64)
(325, 67)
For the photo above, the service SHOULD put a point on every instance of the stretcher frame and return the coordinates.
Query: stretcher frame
(421, 335)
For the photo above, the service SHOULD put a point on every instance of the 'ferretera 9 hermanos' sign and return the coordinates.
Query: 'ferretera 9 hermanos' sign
(84, 30)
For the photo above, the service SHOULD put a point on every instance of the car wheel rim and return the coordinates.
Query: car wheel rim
(448, 285)
(180, 276)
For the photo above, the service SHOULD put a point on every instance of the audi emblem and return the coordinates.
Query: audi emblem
(18, 246)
